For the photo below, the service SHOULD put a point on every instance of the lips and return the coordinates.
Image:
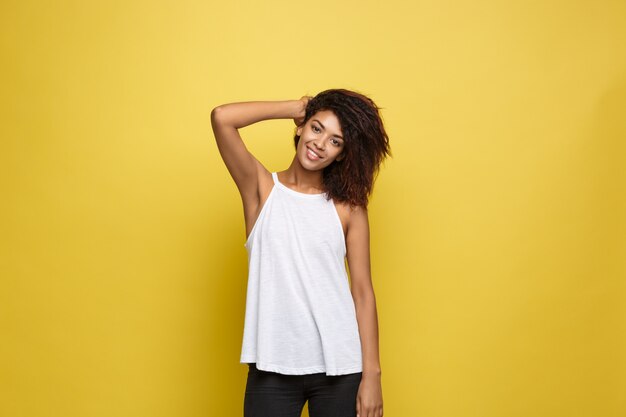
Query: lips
(312, 154)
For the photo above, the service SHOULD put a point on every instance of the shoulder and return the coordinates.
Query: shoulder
(354, 217)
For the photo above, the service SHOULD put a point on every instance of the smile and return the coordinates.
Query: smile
(312, 155)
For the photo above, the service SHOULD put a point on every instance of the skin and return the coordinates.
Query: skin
(321, 133)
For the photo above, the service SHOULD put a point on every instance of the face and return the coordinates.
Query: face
(321, 141)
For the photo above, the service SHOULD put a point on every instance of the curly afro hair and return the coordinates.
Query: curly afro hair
(352, 178)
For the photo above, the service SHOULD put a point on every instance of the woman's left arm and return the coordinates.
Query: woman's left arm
(369, 398)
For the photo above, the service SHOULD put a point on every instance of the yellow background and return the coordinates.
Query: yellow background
(498, 227)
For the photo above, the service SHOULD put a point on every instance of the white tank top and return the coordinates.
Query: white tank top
(300, 316)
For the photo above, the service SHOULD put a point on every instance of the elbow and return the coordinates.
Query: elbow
(219, 118)
(216, 113)
(363, 296)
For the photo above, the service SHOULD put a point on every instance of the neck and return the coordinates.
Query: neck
(303, 179)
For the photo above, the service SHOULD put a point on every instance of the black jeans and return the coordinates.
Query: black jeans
(270, 394)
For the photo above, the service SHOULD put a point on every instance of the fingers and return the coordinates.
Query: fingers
(306, 99)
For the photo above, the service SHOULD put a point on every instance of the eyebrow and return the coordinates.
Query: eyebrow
(315, 120)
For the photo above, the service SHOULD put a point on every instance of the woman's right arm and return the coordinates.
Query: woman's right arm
(226, 119)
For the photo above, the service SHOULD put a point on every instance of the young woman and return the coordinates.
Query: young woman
(309, 334)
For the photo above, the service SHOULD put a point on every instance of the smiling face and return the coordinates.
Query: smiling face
(321, 141)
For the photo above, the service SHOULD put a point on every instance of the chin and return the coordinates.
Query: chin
(310, 165)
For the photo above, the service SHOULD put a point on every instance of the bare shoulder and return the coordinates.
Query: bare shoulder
(351, 216)
(358, 220)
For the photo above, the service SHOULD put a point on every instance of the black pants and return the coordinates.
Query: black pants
(270, 394)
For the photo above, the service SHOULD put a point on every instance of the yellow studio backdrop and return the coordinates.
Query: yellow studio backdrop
(498, 227)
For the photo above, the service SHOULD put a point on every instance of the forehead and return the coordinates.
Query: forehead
(328, 119)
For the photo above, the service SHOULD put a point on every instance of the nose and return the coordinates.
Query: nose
(319, 144)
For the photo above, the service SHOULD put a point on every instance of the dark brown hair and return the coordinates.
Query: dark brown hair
(366, 144)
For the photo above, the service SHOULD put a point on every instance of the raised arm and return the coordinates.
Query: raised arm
(226, 119)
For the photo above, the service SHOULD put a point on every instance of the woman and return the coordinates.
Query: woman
(309, 335)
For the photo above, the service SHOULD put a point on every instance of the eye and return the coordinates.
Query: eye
(316, 129)
(337, 143)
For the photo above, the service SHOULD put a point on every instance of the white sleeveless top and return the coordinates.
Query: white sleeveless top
(300, 316)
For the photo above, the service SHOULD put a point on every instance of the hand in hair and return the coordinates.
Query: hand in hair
(300, 118)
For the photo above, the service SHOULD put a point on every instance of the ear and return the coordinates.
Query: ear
(299, 131)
